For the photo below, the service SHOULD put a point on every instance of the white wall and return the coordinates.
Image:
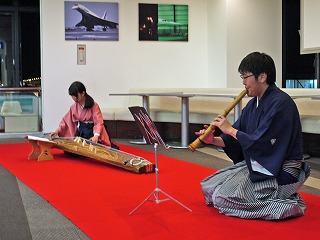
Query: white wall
(221, 33)
(309, 26)
(237, 28)
(217, 44)
(253, 25)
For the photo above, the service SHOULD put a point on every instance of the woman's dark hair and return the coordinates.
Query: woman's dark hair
(258, 63)
(78, 87)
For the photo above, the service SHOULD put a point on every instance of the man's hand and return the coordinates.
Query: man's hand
(209, 139)
(224, 125)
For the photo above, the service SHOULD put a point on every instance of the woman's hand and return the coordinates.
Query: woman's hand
(94, 139)
(53, 134)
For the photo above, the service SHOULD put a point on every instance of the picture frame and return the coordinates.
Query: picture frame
(91, 21)
(163, 22)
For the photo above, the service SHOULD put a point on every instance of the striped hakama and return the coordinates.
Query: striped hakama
(231, 191)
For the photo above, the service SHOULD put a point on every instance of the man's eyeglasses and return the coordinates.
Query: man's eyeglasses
(245, 77)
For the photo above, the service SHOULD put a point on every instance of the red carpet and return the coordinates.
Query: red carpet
(98, 199)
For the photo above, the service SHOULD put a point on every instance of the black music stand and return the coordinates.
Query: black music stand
(152, 136)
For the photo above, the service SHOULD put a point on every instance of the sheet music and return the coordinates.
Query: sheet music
(146, 126)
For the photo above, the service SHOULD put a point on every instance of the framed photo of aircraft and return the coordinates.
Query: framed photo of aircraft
(91, 21)
(163, 22)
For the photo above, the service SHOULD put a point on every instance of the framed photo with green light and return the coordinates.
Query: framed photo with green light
(163, 22)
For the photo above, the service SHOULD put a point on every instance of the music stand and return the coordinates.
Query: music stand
(152, 136)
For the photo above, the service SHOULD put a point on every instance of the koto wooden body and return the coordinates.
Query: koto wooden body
(79, 146)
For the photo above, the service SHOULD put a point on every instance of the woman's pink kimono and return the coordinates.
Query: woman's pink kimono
(69, 123)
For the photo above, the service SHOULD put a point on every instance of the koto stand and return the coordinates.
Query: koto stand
(152, 136)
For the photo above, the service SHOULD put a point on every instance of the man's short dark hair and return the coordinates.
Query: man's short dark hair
(258, 63)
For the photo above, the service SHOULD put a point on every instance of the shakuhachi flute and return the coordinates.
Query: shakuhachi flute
(196, 143)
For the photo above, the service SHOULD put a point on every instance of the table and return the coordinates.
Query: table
(237, 108)
(184, 112)
(315, 97)
(184, 109)
(294, 96)
(184, 121)
(145, 96)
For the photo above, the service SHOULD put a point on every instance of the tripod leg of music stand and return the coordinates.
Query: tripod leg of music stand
(141, 203)
(175, 200)
(157, 200)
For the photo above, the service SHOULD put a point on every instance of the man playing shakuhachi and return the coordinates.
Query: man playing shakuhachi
(265, 144)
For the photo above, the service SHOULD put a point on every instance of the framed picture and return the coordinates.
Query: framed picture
(91, 21)
(163, 22)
